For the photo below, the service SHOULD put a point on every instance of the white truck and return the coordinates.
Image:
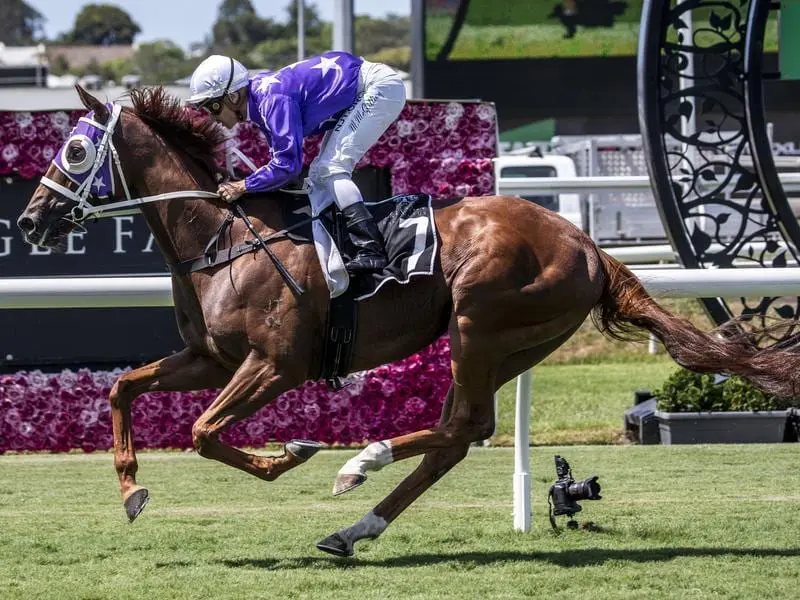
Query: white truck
(509, 167)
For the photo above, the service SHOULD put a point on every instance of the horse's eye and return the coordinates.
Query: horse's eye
(76, 154)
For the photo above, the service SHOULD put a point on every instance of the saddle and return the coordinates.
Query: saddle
(407, 225)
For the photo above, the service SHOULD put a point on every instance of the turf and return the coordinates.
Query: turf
(675, 522)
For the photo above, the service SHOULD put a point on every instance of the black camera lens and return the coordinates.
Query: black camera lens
(588, 489)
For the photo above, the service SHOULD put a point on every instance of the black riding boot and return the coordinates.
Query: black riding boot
(366, 237)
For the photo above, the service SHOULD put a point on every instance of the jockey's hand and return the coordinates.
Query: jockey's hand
(231, 191)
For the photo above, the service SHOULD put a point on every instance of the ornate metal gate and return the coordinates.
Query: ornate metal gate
(700, 84)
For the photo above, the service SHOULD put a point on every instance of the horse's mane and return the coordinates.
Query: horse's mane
(186, 130)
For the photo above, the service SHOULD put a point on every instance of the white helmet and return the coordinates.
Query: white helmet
(215, 77)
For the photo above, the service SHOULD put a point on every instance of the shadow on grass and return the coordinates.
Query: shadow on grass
(568, 558)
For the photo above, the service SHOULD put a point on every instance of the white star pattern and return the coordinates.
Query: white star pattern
(264, 84)
(326, 64)
(98, 183)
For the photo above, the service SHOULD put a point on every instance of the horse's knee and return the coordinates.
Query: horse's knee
(201, 439)
(121, 393)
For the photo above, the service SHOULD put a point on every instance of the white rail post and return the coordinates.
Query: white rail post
(522, 459)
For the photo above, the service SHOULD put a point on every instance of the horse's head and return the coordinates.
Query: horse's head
(86, 178)
(79, 179)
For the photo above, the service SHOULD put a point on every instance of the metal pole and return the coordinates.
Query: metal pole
(522, 459)
(689, 124)
(343, 39)
(301, 30)
(417, 48)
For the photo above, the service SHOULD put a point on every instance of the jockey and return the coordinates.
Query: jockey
(354, 101)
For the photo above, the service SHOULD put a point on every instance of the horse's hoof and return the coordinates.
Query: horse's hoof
(135, 502)
(302, 449)
(345, 483)
(335, 544)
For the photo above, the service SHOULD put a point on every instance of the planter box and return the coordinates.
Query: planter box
(722, 427)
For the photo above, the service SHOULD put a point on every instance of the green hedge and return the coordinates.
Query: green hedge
(686, 391)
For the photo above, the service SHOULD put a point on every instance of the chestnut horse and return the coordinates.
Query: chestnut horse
(512, 282)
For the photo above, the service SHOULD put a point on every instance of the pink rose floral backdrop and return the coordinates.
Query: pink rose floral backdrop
(441, 148)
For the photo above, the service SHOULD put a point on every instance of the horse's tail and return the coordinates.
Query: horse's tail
(625, 306)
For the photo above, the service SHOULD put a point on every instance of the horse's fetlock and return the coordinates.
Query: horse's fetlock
(482, 431)
(126, 466)
(201, 440)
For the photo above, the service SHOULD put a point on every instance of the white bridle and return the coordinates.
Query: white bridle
(81, 195)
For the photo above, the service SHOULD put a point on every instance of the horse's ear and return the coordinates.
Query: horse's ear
(101, 113)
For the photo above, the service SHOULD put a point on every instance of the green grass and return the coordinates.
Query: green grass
(531, 41)
(545, 40)
(675, 522)
(580, 404)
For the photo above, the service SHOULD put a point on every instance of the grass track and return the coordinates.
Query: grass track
(676, 522)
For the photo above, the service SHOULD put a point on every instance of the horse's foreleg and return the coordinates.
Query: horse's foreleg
(180, 372)
(378, 454)
(256, 383)
(468, 415)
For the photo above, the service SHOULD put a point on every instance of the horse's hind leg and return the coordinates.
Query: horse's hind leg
(471, 417)
(257, 382)
(180, 372)
(379, 454)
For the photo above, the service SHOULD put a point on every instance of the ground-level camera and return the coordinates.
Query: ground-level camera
(565, 492)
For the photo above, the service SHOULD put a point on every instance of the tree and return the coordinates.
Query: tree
(102, 25)
(59, 65)
(160, 62)
(238, 29)
(311, 22)
(281, 51)
(22, 25)
(374, 35)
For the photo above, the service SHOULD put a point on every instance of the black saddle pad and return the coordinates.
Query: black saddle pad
(408, 228)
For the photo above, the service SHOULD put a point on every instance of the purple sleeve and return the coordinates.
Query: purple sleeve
(281, 115)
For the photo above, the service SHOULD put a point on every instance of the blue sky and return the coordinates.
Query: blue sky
(187, 21)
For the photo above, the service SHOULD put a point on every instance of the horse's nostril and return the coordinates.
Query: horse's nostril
(26, 224)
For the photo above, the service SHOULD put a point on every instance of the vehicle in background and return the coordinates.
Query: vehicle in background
(510, 167)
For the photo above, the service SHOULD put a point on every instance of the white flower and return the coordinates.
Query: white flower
(451, 122)
(405, 128)
(24, 119)
(486, 112)
(48, 153)
(10, 152)
(60, 120)
(454, 109)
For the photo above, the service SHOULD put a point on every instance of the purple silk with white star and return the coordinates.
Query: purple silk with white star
(102, 186)
(302, 99)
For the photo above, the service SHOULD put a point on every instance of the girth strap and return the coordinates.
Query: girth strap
(215, 258)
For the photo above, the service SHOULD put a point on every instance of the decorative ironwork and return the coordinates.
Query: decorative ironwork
(704, 128)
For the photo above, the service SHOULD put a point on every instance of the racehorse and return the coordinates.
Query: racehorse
(511, 283)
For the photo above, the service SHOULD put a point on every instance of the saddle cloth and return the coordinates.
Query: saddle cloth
(408, 228)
